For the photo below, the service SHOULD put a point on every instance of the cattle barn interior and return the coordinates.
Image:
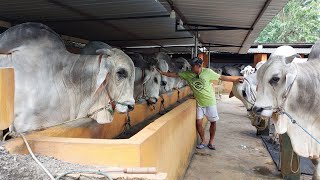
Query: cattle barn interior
(219, 31)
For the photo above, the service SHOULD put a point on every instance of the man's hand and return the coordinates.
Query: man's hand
(240, 79)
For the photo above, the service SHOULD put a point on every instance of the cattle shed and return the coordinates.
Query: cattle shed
(219, 31)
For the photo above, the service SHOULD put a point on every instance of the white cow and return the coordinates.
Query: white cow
(53, 85)
(147, 80)
(246, 91)
(285, 86)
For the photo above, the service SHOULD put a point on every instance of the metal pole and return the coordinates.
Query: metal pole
(196, 45)
(209, 56)
(192, 52)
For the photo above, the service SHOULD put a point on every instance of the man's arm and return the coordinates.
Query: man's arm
(169, 74)
(231, 78)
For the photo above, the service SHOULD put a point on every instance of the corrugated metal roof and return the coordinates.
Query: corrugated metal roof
(99, 19)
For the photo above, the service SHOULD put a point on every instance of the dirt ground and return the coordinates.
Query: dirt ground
(240, 154)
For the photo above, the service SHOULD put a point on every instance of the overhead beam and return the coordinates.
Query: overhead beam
(185, 46)
(156, 39)
(106, 19)
(256, 21)
(206, 27)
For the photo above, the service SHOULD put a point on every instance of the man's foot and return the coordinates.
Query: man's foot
(211, 146)
(201, 146)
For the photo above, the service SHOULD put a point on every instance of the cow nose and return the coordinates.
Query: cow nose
(257, 110)
(130, 107)
(163, 83)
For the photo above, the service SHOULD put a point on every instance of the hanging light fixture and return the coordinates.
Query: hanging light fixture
(173, 14)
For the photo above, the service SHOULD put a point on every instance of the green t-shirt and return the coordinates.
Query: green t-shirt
(201, 85)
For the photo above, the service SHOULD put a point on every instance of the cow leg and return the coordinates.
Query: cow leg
(316, 173)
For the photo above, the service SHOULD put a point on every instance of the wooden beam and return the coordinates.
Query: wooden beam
(258, 58)
(205, 58)
(6, 97)
(289, 160)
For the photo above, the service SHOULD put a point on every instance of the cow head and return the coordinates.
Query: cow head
(274, 79)
(163, 66)
(151, 84)
(116, 76)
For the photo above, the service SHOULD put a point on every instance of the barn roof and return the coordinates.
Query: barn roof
(225, 25)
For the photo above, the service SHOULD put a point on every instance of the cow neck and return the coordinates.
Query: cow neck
(285, 95)
(251, 103)
(143, 85)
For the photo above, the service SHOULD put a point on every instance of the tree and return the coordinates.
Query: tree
(297, 22)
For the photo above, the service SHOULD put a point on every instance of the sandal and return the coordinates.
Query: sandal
(201, 146)
(211, 146)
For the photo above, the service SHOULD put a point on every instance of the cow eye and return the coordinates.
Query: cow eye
(122, 73)
(244, 93)
(155, 80)
(274, 80)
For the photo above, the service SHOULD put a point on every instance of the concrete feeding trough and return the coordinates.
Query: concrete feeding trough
(166, 143)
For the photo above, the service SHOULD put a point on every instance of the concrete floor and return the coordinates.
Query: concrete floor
(240, 153)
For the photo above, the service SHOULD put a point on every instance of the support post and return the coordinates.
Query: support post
(286, 154)
(196, 45)
(6, 97)
(192, 52)
(209, 56)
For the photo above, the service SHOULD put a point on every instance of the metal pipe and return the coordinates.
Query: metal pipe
(196, 45)
(209, 56)
(192, 52)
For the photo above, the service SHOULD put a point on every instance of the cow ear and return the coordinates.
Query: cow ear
(231, 94)
(290, 77)
(147, 77)
(289, 59)
(108, 52)
(102, 76)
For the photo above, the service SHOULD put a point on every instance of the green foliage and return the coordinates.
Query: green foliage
(297, 22)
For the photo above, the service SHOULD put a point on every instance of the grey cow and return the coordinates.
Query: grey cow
(53, 85)
(285, 86)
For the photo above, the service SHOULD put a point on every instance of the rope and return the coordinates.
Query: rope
(46, 170)
(178, 100)
(127, 124)
(36, 159)
(298, 163)
(161, 105)
(293, 121)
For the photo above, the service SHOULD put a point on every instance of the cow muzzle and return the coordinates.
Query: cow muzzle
(163, 83)
(125, 107)
(152, 100)
(262, 111)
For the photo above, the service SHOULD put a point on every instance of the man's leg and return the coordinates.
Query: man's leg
(213, 117)
(213, 126)
(200, 130)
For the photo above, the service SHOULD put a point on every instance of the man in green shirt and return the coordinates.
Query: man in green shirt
(199, 80)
